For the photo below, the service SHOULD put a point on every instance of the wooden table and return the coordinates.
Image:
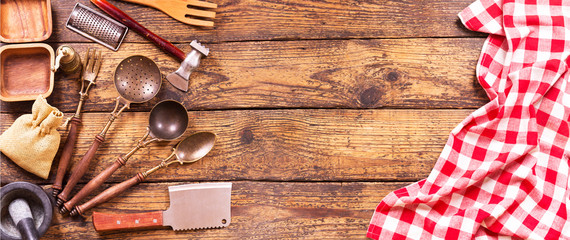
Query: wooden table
(321, 108)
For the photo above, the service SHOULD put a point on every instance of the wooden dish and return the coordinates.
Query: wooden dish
(25, 71)
(25, 20)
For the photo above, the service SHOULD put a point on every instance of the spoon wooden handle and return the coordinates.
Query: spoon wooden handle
(108, 194)
(65, 156)
(95, 183)
(79, 170)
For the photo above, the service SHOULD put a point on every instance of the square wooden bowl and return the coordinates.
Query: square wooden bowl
(25, 71)
(25, 20)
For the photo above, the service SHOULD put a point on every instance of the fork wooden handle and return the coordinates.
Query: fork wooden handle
(122, 17)
(65, 156)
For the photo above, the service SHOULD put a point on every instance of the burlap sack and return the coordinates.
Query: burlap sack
(32, 140)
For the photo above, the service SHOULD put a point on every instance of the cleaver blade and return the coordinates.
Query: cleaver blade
(192, 206)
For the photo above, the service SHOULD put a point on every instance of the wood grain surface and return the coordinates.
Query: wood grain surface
(251, 20)
(402, 73)
(320, 107)
(275, 145)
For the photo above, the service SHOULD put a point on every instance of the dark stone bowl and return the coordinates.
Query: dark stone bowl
(38, 200)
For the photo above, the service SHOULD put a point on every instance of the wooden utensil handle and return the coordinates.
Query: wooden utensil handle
(95, 183)
(65, 156)
(122, 17)
(109, 222)
(79, 170)
(108, 194)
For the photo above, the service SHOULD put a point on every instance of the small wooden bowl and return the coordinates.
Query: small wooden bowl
(25, 20)
(25, 71)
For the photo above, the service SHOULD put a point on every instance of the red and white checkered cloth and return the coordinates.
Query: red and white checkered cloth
(504, 170)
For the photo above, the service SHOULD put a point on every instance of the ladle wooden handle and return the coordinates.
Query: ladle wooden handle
(95, 183)
(79, 170)
(122, 17)
(108, 194)
(65, 156)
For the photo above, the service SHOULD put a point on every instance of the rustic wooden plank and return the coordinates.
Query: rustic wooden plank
(239, 20)
(260, 210)
(278, 145)
(393, 73)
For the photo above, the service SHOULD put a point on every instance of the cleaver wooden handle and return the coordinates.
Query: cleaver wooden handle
(109, 222)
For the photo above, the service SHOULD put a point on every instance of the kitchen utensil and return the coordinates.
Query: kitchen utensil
(168, 120)
(182, 10)
(68, 60)
(192, 206)
(96, 26)
(181, 77)
(39, 205)
(25, 21)
(22, 216)
(91, 68)
(25, 71)
(137, 79)
(189, 150)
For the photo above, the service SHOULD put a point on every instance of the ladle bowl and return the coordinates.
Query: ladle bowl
(168, 120)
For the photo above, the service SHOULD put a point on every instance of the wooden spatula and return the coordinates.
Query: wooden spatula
(182, 10)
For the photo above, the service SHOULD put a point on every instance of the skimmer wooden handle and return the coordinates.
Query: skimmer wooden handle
(79, 170)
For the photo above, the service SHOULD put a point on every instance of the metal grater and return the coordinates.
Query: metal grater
(96, 26)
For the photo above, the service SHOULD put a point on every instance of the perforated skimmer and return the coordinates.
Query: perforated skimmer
(136, 79)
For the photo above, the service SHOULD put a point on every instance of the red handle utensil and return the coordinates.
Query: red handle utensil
(122, 17)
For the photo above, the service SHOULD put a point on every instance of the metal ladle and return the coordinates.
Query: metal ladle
(137, 79)
(189, 150)
(168, 120)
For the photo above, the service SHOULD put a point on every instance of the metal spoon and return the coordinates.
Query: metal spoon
(168, 120)
(189, 150)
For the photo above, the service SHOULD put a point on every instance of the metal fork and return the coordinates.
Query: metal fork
(91, 67)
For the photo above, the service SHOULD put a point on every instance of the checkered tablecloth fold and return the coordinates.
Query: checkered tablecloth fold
(504, 169)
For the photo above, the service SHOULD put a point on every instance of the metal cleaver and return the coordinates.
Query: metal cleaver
(192, 206)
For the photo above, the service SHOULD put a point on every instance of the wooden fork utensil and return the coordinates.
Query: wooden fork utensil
(183, 10)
